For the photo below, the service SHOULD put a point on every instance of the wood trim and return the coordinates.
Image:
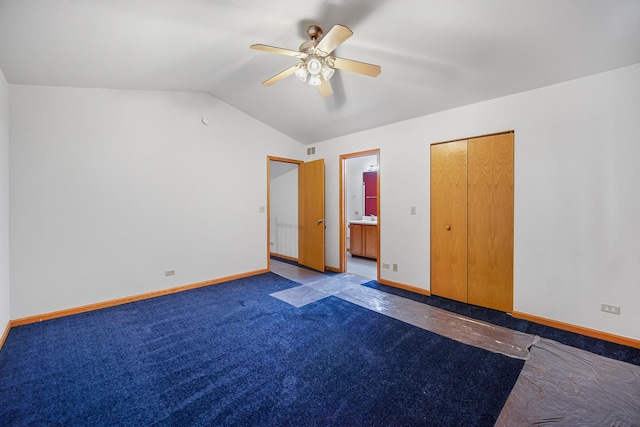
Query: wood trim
(275, 159)
(363, 153)
(284, 160)
(473, 137)
(268, 212)
(342, 237)
(410, 288)
(4, 335)
(379, 249)
(630, 342)
(125, 300)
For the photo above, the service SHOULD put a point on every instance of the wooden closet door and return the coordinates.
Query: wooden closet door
(449, 220)
(490, 222)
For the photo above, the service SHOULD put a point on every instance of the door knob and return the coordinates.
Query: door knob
(320, 221)
(448, 227)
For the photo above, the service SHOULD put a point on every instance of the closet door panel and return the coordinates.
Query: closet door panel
(490, 222)
(449, 220)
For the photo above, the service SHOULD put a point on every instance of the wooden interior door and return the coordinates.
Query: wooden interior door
(490, 222)
(449, 220)
(311, 214)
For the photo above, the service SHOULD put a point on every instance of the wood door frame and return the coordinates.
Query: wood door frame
(343, 225)
(275, 159)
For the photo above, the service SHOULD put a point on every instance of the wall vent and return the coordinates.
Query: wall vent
(311, 151)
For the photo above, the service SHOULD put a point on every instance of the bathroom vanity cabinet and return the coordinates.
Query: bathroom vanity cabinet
(364, 239)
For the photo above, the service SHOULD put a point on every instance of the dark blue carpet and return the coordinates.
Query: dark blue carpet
(229, 354)
(593, 345)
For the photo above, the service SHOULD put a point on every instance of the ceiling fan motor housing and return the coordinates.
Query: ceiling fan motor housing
(314, 32)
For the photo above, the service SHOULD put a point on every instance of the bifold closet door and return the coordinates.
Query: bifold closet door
(490, 222)
(472, 221)
(449, 220)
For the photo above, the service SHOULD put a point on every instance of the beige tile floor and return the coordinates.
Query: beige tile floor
(362, 267)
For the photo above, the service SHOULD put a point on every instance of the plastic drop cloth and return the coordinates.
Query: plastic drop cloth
(460, 328)
(565, 386)
(559, 385)
(317, 289)
(451, 325)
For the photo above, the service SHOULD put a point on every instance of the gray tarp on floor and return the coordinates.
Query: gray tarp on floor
(565, 386)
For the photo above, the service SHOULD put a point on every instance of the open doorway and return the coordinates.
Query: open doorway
(296, 216)
(283, 208)
(359, 208)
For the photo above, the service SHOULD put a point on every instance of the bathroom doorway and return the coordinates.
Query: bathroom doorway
(360, 213)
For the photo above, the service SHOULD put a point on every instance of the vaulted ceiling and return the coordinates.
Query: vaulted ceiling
(435, 54)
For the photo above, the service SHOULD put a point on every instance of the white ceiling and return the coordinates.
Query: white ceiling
(434, 54)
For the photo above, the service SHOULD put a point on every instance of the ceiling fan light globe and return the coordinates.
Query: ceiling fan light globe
(314, 80)
(327, 72)
(314, 66)
(302, 74)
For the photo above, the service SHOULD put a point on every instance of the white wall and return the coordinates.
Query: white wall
(284, 208)
(111, 188)
(577, 210)
(4, 204)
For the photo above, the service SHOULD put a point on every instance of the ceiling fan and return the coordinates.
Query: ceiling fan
(317, 64)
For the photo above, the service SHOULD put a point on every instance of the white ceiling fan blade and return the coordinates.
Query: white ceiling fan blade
(279, 50)
(281, 75)
(336, 36)
(325, 87)
(356, 67)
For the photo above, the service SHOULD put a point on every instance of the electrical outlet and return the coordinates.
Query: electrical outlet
(413, 210)
(385, 265)
(395, 267)
(170, 273)
(262, 209)
(613, 309)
